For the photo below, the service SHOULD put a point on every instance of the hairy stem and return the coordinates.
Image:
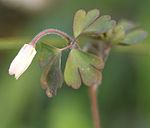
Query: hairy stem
(49, 32)
(94, 106)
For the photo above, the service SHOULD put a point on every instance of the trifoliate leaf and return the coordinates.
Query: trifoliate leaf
(135, 36)
(91, 23)
(51, 78)
(83, 67)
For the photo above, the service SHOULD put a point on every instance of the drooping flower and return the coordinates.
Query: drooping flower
(22, 61)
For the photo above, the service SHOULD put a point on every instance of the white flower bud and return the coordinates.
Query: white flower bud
(22, 61)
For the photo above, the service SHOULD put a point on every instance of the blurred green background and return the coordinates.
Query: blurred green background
(124, 97)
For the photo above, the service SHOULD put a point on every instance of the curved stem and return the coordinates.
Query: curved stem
(67, 47)
(51, 31)
(94, 106)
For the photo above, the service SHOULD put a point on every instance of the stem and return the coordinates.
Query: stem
(94, 106)
(48, 32)
(67, 47)
(106, 53)
(92, 92)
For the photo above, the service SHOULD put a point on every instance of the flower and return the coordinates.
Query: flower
(22, 61)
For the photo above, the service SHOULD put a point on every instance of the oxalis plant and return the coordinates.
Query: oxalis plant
(93, 38)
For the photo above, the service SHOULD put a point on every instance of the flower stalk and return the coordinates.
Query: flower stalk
(26, 54)
(49, 32)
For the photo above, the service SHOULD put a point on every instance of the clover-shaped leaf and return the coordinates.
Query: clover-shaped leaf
(83, 20)
(134, 36)
(83, 67)
(50, 61)
(91, 23)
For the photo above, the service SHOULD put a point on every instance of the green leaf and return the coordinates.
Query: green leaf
(135, 36)
(91, 22)
(45, 53)
(83, 67)
(101, 25)
(50, 61)
(52, 78)
(115, 35)
(83, 20)
(127, 25)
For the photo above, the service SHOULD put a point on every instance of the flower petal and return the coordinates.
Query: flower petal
(22, 61)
